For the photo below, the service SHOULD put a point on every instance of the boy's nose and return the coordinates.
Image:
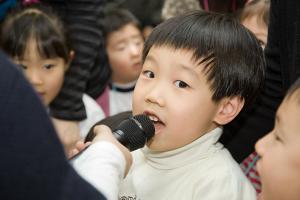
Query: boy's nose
(262, 145)
(155, 96)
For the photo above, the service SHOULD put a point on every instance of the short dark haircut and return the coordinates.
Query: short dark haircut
(40, 24)
(117, 18)
(233, 59)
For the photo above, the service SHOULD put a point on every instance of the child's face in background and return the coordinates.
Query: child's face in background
(45, 75)
(260, 30)
(124, 48)
(174, 90)
(279, 166)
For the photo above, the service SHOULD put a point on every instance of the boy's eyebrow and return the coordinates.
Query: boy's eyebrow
(190, 70)
(182, 66)
(151, 59)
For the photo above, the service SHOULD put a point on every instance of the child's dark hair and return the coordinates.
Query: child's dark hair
(259, 8)
(233, 59)
(40, 24)
(116, 19)
(112, 122)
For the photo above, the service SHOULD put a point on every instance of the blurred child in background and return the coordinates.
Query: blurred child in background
(36, 41)
(124, 44)
(172, 8)
(255, 17)
(279, 151)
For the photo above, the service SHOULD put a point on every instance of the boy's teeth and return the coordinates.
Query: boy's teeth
(155, 119)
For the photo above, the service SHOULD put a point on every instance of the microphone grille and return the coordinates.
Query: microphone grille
(145, 124)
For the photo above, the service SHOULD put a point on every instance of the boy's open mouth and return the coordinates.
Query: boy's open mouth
(156, 121)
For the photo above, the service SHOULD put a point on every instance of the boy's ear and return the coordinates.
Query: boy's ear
(229, 108)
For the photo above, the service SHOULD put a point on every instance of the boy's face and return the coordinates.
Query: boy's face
(45, 75)
(279, 166)
(260, 30)
(173, 90)
(124, 48)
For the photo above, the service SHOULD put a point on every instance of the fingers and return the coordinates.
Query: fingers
(103, 133)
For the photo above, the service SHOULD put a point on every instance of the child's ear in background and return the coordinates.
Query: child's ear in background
(229, 108)
(72, 54)
(71, 57)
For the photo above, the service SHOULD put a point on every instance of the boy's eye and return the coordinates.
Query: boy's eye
(49, 66)
(148, 74)
(181, 84)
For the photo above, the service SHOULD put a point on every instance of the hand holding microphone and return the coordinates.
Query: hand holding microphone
(131, 134)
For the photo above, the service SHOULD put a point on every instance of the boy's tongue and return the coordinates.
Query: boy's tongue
(158, 126)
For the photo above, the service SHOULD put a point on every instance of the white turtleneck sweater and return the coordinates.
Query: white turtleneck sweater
(203, 169)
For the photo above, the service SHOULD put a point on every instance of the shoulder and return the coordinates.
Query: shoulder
(224, 175)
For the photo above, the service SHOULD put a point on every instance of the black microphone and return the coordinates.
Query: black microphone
(134, 132)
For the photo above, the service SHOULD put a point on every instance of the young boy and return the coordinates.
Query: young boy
(279, 165)
(124, 43)
(199, 70)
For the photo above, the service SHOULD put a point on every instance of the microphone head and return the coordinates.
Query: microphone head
(146, 124)
(136, 131)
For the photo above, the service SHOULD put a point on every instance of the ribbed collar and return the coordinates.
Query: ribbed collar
(128, 87)
(199, 149)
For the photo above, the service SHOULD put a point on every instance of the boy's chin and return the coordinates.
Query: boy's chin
(153, 146)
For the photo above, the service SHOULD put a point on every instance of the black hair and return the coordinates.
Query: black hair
(116, 19)
(112, 122)
(40, 24)
(233, 59)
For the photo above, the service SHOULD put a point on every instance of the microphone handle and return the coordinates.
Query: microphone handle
(120, 136)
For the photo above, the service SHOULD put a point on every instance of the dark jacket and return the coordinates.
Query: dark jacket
(33, 164)
(89, 71)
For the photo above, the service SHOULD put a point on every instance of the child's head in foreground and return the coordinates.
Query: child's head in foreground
(279, 165)
(255, 17)
(35, 39)
(199, 70)
(124, 44)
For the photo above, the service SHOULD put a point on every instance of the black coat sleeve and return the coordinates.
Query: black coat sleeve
(33, 164)
(89, 71)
